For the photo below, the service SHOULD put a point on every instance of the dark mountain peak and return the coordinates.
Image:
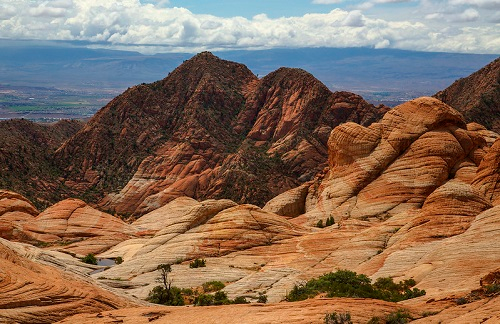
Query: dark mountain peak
(287, 77)
(207, 66)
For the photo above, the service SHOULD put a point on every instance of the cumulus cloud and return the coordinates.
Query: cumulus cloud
(152, 27)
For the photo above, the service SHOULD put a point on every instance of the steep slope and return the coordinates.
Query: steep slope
(26, 158)
(211, 129)
(477, 96)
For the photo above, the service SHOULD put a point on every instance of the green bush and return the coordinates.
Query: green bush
(204, 300)
(330, 221)
(320, 224)
(90, 259)
(197, 263)
(161, 295)
(240, 300)
(220, 298)
(334, 318)
(375, 320)
(118, 260)
(212, 286)
(262, 298)
(401, 316)
(492, 289)
(345, 283)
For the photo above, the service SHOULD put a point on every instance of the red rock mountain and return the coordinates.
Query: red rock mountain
(477, 96)
(211, 129)
(26, 157)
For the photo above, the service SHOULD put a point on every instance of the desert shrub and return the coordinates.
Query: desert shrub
(262, 298)
(118, 260)
(212, 286)
(401, 316)
(187, 291)
(161, 295)
(461, 301)
(320, 224)
(334, 318)
(90, 259)
(240, 300)
(197, 263)
(299, 292)
(345, 283)
(220, 298)
(330, 221)
(375, 320)
(204, 300)
(492, 289)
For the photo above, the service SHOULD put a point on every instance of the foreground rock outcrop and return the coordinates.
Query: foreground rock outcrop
(33, 292)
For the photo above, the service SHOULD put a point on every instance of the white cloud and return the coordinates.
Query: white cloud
(466, 16)
(151, 27)
(488, 4)
(391, 1)
(326, 1)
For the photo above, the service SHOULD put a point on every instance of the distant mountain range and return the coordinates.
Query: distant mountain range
(376, 74)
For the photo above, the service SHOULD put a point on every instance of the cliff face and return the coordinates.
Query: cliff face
(211, 129)
(477, 96)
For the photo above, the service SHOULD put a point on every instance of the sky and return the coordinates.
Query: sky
(190, 26)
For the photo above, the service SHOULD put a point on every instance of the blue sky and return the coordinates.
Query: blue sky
(151, 26)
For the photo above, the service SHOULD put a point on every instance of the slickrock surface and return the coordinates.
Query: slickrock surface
(72, 220)
(211, 129)
(209, 229)
(15, 210)
(393, 166)
(477, 96)
(31, 292)
(310, 311)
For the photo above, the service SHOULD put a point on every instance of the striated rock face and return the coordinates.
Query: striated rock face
(309, 311)
(73, 221)
(25, 158)
(211, 129)
(209, 228)
(395, 165)
(477, 96)
(31, 292)
(15, 210)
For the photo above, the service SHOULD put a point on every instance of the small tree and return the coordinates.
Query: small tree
(166, 294)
